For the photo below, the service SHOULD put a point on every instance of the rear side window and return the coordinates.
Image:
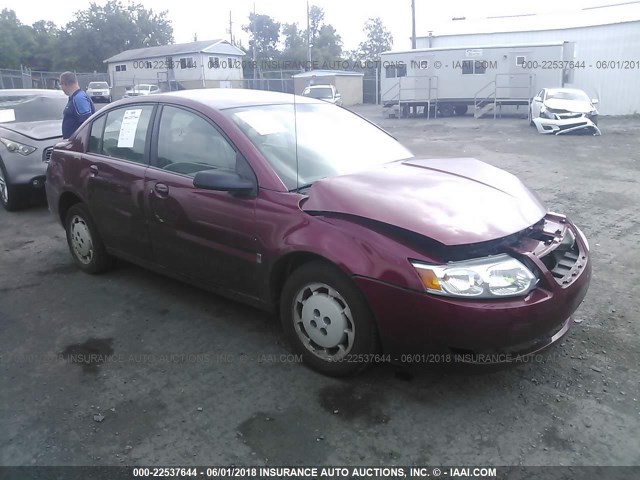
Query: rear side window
(124, 134)
(95, 140)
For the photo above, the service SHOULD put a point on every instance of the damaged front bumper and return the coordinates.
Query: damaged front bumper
(581, 124)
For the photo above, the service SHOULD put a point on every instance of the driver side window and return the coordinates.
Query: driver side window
(188, 144)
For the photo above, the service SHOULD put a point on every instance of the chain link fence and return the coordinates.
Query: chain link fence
(273, 81)
(27, 78)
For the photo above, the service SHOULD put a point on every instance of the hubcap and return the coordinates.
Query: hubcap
(323, 321)
(81, 240)
(4, 191)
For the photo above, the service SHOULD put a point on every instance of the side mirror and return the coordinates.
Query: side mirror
(338, 95)
(223, 181)
(537, 99)
(595, 101)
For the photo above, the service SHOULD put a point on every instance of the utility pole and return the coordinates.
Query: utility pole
(253, 28)
(413, 24)
(308, 38)
(230, 29)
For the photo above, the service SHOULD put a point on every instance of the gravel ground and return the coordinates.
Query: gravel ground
(196, 379)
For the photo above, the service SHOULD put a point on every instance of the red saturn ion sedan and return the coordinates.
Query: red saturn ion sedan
(298, 206)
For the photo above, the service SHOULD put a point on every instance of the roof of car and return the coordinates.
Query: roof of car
(223, 98)
(31, 91)
(555, 90)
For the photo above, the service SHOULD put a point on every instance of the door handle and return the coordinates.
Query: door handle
(93, 169)
(161, 189)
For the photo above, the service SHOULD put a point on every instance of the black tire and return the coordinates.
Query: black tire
(79, 224)
(11, 196)
(445, 110)
(342, 302)
(531, 124)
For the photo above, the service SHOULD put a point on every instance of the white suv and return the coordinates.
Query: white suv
(99, 91)
(141, 89)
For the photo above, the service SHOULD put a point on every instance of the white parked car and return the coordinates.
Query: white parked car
(141, 89)
(563, 110)
(328, 93)
(99, 91)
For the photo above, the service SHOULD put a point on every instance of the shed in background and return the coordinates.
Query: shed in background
(349, 84)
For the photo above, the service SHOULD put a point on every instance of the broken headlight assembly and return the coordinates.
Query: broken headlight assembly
(545, 113)
(497, 276)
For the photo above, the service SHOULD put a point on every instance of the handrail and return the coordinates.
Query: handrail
(475, 97)
(494, 95)
(392, 87)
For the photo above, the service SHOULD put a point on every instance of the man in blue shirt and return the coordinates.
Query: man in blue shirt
(79, 107)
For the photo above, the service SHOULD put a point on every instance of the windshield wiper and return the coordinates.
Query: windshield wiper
(306, 185)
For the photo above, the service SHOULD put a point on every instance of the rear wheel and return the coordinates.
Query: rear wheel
(84, 242)
(11, 197)
(327, 320)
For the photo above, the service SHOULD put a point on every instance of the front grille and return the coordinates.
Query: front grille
(46, 155)
(564, 116)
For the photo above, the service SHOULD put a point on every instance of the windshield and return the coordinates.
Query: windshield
(330, 141)
(31, 108)
(98, 85)
(568, 95)
(319, 93)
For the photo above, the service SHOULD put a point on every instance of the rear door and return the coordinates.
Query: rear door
(117, 158)
(206, 235)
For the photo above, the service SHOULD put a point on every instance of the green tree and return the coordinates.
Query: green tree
(295, 43)
(46, 37)
(326, 44)
(100, 32)
(379, 40)
(327, 47)
(316, 20)
(264, 33)
(16, 40)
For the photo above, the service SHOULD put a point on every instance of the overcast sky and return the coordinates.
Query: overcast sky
(210, 19)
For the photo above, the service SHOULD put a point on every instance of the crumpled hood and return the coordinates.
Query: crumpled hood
(576, 106)
(453, 201)
(42, 130)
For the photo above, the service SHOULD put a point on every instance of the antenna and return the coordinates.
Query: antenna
(295, 134)
(308, 38)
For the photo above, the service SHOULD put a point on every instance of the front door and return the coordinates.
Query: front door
(208, 236)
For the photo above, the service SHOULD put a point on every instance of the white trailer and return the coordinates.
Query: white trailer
(448, 81)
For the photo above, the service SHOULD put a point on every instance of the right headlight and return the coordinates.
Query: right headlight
(496, 276)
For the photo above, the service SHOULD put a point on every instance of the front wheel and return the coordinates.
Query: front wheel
(531, 118)
(327, 320)
(11, 197)
(84, 242)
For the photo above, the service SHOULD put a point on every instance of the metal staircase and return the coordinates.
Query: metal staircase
(490, 98)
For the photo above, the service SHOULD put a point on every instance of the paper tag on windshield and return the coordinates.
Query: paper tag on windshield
(128, 128)
(261, 122)
(7, 115)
